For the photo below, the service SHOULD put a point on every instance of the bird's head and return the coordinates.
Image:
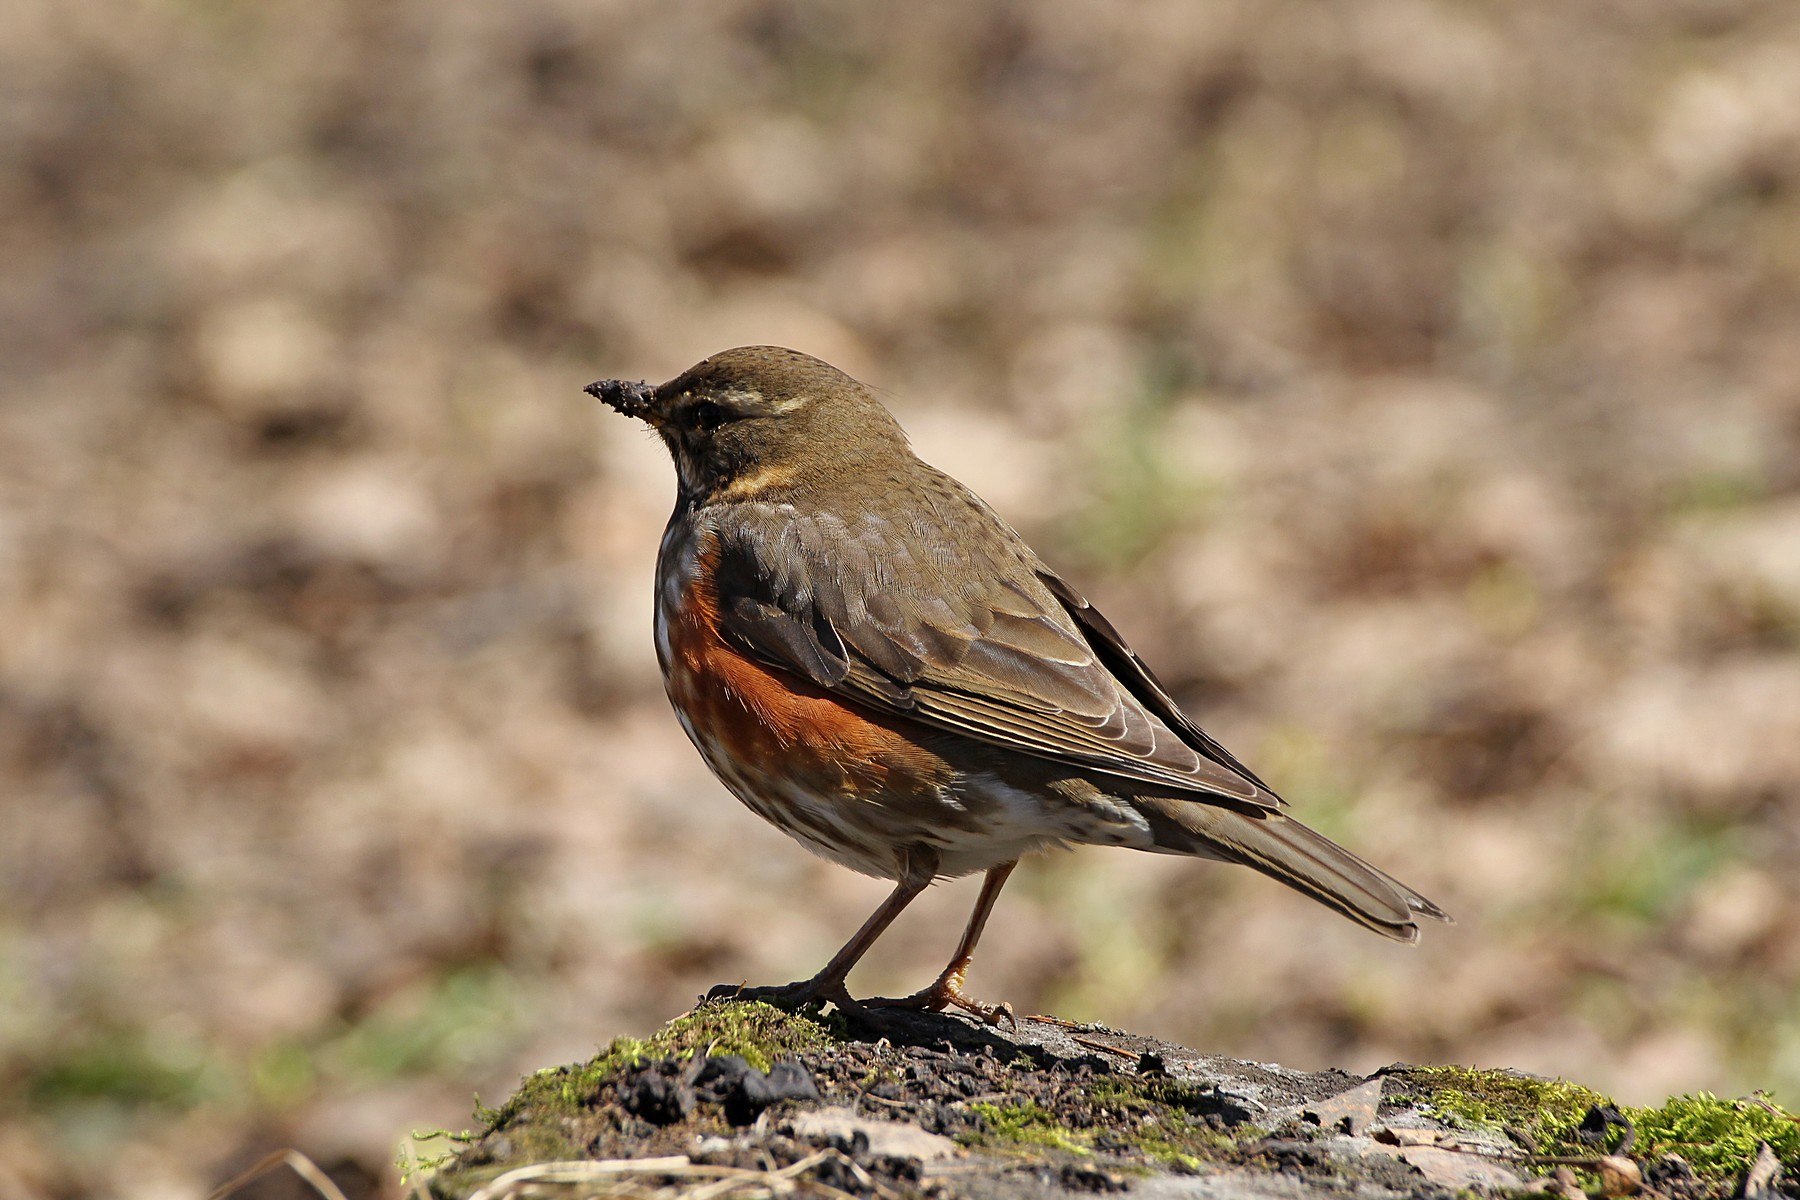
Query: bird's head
(759, 420)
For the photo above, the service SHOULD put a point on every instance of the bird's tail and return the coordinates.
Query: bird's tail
(1304, 859)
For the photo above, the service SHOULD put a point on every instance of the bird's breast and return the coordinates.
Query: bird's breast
(749, 718)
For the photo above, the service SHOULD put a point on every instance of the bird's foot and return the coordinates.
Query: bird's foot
(947, 992)
(818, 990)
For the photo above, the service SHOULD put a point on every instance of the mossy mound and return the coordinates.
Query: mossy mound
(758, 1033)
(1547, 1111)
(1718, 1137)
(1553, 1118)
(723, 1092)
(994, 1096)
(1123, 1116)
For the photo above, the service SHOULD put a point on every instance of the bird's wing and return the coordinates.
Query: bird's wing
(1136, 675)
(943, 615)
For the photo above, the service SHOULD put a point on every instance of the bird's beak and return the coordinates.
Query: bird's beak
(627, 399)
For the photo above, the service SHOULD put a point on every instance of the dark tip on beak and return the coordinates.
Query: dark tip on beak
(629, 399)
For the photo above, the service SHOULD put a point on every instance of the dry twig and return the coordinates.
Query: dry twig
(614, 1172)
(302, 1166)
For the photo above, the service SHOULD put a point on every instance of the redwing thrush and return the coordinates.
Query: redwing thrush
(873, 661)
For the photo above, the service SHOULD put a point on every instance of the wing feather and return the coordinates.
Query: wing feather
(998, 649)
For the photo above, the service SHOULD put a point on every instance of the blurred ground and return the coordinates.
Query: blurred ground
(1416, 384)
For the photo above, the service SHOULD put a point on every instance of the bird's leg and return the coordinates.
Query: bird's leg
(946, 991)
(828, 984)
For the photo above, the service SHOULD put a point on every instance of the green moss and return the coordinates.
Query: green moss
(1158, 1119)
(1546, 1109)
(1163, 1119)
(427, 1151)
(1718, 1138)
(1023, 1124)
(760, 1033)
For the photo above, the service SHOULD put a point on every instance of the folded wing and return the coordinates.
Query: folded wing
(941, 613)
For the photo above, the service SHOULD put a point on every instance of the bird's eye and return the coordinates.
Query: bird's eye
(706, 416)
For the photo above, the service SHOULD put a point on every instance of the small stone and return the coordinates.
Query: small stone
(1081, 1177)
(1763, 1178)
(1563, 1183)
(1407, 1137)
(884, 1139)
(1348, 1112)
(1457, 1170)
(791, 1081)
(1596, 1128)
(722, 1074)
(1620, 1176)
(657, 1098)
(756, 1091)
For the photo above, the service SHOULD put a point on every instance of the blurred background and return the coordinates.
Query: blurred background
(1417, 384)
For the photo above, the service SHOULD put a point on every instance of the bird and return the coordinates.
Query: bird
(869, 658)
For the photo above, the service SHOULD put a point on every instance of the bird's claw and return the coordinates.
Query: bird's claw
(947, 993)
(788, 995)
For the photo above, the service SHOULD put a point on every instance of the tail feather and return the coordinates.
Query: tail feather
(1304, 859)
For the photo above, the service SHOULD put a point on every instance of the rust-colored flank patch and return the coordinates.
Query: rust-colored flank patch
(773, 721)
